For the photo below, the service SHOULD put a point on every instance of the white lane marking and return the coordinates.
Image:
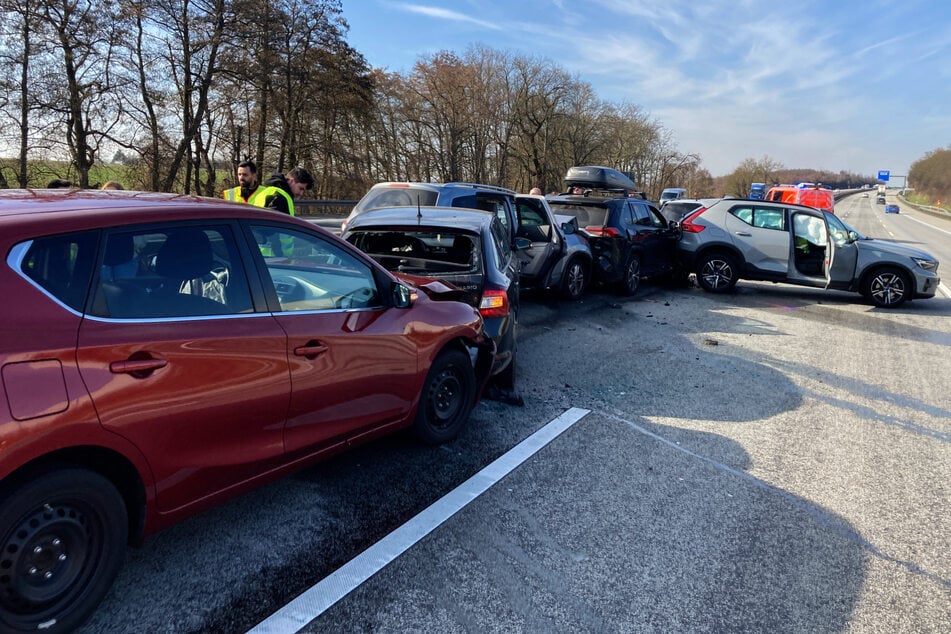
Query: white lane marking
(930, 226)
(318, 598)
(941, 286)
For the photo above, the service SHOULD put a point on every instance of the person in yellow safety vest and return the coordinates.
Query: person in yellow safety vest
(279, 192)
(247, 183)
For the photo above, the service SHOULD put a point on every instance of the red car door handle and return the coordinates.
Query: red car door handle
(137, 366)
(312, 349)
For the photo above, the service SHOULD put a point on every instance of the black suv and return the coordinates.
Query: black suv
(630, 239)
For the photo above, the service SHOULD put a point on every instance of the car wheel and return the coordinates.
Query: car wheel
(717, 272)
(447, 398)
(62, 541)
(575, 279)
(632, 275)
(887, 287)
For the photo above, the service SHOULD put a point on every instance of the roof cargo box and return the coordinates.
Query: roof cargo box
(598, 178)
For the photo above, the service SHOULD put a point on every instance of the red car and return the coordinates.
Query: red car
(160, 354)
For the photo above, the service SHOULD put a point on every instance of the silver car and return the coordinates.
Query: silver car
(759, 240)
(559, 256)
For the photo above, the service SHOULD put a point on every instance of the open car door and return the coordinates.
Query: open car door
(842, 253)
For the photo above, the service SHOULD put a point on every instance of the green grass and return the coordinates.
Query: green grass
(42, 172)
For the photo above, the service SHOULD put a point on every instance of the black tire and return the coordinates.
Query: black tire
(446, 399)
(887, 287)
(717, 272)
(62, 542)
(574, 279)
(631, 280)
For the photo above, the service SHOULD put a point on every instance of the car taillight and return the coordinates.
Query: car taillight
(494, 304)
(687, 224)
(604, 232)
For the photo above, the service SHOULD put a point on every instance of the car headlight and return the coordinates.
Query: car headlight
(928, 265)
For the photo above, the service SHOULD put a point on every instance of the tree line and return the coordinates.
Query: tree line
(772, 172)
(181, 91)
(931, 176)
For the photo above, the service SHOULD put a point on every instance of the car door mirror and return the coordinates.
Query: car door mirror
(402, 296)
(568, 228)
(853, 236)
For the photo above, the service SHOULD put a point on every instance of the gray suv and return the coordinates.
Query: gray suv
(497, 200)
(558, 256)
(758, 240)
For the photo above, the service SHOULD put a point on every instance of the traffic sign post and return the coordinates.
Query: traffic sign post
(883, 175)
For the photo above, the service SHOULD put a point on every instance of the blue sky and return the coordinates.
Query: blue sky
(849, 85)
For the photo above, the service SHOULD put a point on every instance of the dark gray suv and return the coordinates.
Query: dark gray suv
(759, 240)
(497, 200)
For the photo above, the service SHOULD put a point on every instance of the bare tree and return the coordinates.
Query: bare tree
(77, 85)
(19, 27)
(750, 171)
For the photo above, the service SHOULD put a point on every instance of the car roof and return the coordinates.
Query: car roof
(118, 206)
(442, 186)
(596, 197)
(767, 203)
(470, 220)
(25, 214)
(686, 201)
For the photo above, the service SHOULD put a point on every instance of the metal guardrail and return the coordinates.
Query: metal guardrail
(937, 212)
(312, 208)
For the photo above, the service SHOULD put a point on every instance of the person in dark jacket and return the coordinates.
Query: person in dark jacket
(279, 191)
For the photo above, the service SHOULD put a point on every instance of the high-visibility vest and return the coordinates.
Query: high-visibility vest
(263, 196)
(234, 194)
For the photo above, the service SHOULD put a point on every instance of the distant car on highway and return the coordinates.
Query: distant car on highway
(892, 209)
(778, 242)
(672, 193)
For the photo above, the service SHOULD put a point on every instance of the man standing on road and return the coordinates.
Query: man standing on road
(280, 191)
(247, 183)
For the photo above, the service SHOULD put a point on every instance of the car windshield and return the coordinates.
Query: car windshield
(587, 215)
(677, 210)
(839, 229)
(396, 196)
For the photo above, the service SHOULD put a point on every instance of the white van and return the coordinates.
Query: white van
(672, 193)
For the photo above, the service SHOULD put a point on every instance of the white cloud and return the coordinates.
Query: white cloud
(453, 16)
